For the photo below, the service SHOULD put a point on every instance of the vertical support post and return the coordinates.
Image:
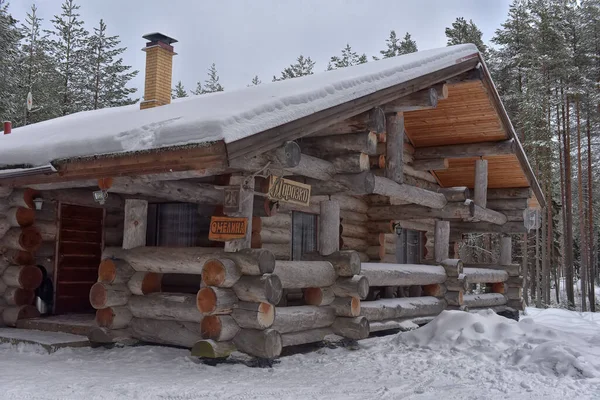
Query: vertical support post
(394, 162)
(136, 223)
(481, 182)
(246, 185)
(505, 250)
(329, 227)
(441, 241)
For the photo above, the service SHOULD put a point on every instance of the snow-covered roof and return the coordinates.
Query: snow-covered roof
(227, 116)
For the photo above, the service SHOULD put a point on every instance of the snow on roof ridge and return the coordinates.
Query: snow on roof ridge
(227, 116)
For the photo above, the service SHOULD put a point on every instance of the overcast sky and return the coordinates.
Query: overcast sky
(261, 37)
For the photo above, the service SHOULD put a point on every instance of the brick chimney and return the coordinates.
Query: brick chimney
(159, 68)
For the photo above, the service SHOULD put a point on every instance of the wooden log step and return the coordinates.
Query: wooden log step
(113, 317)
(483, 300)
(356, 286)
(220, 272)
(381, 274)
(27, 239)
(142, 283)
(346, 306)
(212, 300)
(211, 349)
(264, 344)
(219, 327)
(254, 315)
(20, 216)
(351, 243)
(355, 328)
(114, 271)
(103, 295)
(302, 318)
(318, 296)
(485, 275)
(304, 337)
(27, 277)
(16, 296)
(305, 274)
(189, 260)
(165, 306)
(174, 333)
(267, 288)
(383, 309)
(10, 315)
(345, 263)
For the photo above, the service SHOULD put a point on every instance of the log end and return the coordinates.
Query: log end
(212, 349)
(313, 296)
(206, 300)
(11, 315)
(98, 296)
(498, 287)
(30, 277)
(25, 216)
(264, 258)
(273, 289)
(377, 120)
(362, 287)
(105, 317)
(364, 163)
(355, 307)
(292, 154)
(210, 327)
(152, 283)
(29, 195)
(22, 297)
(434, 290)
(107, 271)
(30, 239)
(214, 271)
(19, 257)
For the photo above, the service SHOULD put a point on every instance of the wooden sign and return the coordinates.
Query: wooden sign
(288, 191)
(231, 200)
(223, 229)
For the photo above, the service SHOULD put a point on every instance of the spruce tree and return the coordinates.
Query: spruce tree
(198, 90)
(255, 81)
(392, 46)
(465, 32)
(302, 67)
(9, 65)
(212, 84)
(347, 59)
(179, 91)
(37, 74)
(407, 45)
(68, 48)
(109, 77)
(395, 47)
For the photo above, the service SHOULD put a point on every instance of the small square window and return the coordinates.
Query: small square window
(304, 234)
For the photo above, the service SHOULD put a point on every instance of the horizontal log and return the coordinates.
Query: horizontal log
(434, 290)
(114, 271)
(511, 270)
(486, 227)
(483, 300)
(113, 236)
(16, 296)
(346, 306)
(318, 296)
(353, 217)
(280, 221)
(26, 239)
(460, 193)
(487, 215)
(345, 263)
(515, 281)
(434, 164)
(422, 175)
(174, 333)
(352, 243)
(422, 100)
(285, 156)
(10, 315)
(81, 197)
(113, 317)
(485, 275)
(103, 295)
(380, 274)
(19, 198)
(214, 301)
(406, 192)
(466, 150)
(349, 163)
(507, 204)
(355, 328)
(165, 306)
(353, 231)
(302, 318)
(263, 344)
(20, 216)
(304, 337)
(383, 309)
(27, 277)
(143, 283)
(271, 235)
(305, 274)
(267, 288)
(209, 348)
(509, 193)
(328, 145)
(402, 324)
(220, 272)
(372, 120)
(356, 286)
(279, 251)
(219, 327)
(17, 257)
(312, 167)
(254, 315)
(190, 260)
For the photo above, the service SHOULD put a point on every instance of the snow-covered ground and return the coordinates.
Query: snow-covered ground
(549, 354)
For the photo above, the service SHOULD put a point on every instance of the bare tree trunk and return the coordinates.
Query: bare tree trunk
(538, 285)
(549, 243)
(568, 208)
(582, 231)
(590, 219)
(526, 284)
(559, 270)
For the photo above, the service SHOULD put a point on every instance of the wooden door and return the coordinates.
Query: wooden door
(79, 250)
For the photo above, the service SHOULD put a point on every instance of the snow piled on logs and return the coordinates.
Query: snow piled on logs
(227, 116)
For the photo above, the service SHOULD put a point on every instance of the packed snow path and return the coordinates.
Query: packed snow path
(550, 354)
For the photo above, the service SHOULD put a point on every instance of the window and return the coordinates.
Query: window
(304, 234)
(409, 247)
(176, 225)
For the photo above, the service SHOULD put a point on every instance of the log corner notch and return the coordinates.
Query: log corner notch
(421, 100)
(286, 156)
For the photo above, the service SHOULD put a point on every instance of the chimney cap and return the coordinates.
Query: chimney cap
(159, 37)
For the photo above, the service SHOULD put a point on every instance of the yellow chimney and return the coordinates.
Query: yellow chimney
(159, 68)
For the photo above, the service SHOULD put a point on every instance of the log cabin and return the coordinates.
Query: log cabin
(269, 216)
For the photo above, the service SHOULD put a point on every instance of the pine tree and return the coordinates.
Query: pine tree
(179, 91)
(37, 74)
(212, 84)
(72, 58)
(109, 76)
(9, 52)
(395, 47)
(392, 46)
(302, 67)
(407, 45)
(465, 32)
(255, 81)
(347, 59)
(198, 90)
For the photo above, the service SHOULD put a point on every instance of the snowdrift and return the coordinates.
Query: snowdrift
(525, 345)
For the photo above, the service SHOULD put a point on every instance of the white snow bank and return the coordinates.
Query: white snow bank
(227, 116)
(526, 345)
